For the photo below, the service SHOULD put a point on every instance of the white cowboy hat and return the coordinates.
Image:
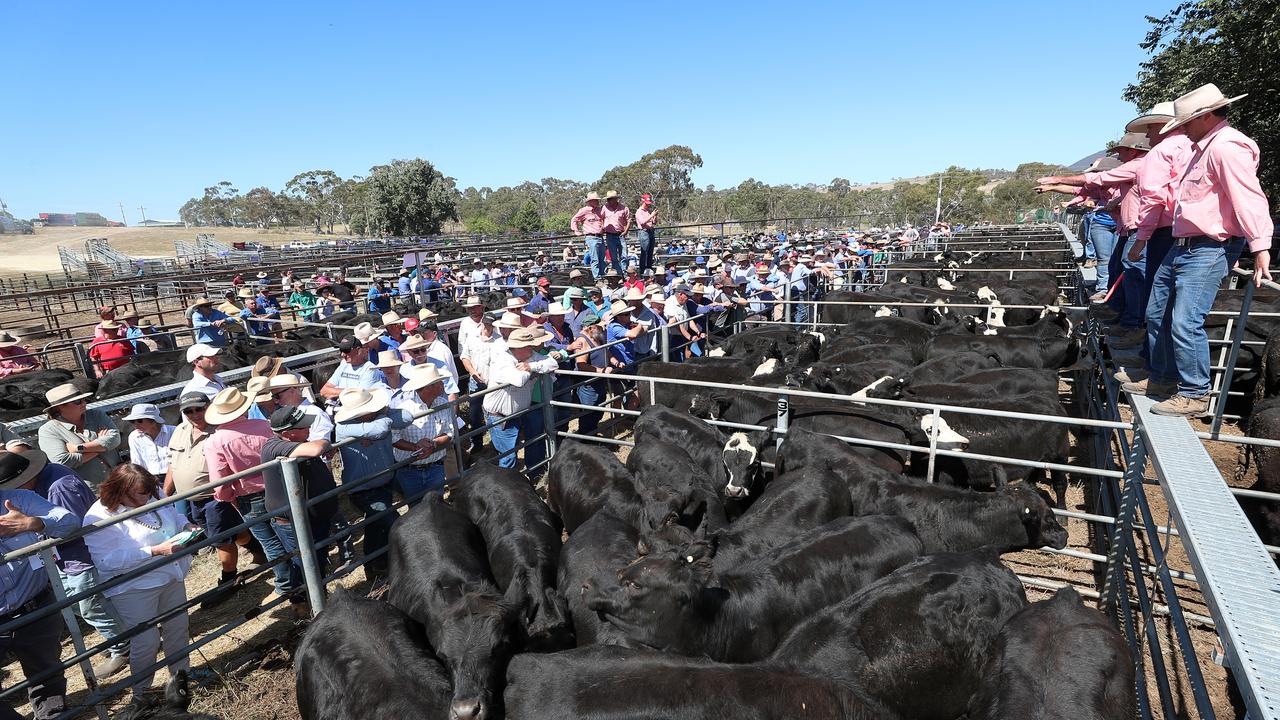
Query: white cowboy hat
(421, 376)
(657, 296)
(391, 318)
(634, 293)
(593, 196)
(619, 308)
(7, 340)
(611, 195)
(257, 386)
(413, 343)
(509, 320)
(528, 337)
(556, 308)
(389, 358)
(1158, 115)
(366, 333)
(426, 314)
(63, 394)
(286, 380)
(357, 402)
(472, 301)
(228, 405)
(199, 350)
(1204, 99)
(200, 302)
(515, 303)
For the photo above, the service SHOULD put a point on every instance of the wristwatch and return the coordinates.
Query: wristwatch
(80, 448)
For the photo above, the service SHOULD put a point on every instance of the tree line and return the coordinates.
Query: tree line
(412, 197)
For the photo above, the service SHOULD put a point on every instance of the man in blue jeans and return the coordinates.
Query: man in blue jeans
(426, 440)
(363, 417)
(514, 371)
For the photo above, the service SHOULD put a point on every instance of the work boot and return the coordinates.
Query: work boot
(1182, 406)
(1131, 375)
(1128, 338)
(1150, 388)
(112, 665)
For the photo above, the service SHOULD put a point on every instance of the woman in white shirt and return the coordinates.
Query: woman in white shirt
(118, 548)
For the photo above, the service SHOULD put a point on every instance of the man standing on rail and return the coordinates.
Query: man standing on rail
(588, 223)
(1219, 208)
(646, 230)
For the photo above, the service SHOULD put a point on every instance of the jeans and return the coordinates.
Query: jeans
(417, 480)
(595, 255)
(475, 410)
(138, 606)
(289, 538)
(371, 502)
(799, 310)
(613, 242)
(647, 239)
(508, 433)
(96, 610)
(589, 394)
(1085, 224)
(1117, 265)
(1103, 239)
(1182, 294)
(37, 648)
(255, 506)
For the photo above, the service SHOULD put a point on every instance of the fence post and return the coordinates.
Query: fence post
(1121, 534)
(302, 532)
(665, 343)
(783, 420)
(77, 638)
(548, 412)
(933, 442)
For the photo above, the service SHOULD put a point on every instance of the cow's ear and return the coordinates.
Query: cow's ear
(999, 475)
(642, 546)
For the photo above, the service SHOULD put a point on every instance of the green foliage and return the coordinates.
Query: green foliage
(481, 225)
(666, 173)
(527, 220)
(409, 197)
(558, 223)
(1231, 43)
(314, 191)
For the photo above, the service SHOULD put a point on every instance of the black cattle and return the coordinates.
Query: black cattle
(671, 484)
(1013, 352)
(22, 396)
(677, 603)
(173, 706)
(675, 396)
(732, 463)
(910, 334)
(366, 658)
(1263, 514)
(440, 577)
(948, 367)
(800, 345)
(585, 478)
(146, 371)
(523, 542)
(1007, 382)
(1051, 325)
(849, 351)
(592, 558)
(608, 683)
(1056, 659)
(913, 639)
(843, 314)
(847, 379)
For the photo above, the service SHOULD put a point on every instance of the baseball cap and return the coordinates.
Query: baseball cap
(193, 399)
(199, 350)
(289, 417)
(349, 343)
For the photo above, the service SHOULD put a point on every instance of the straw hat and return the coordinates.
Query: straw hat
(592, 196)
(413, 343)
(426, 314)
(657, 296)
(714, 263)
(619, 308)
(199, 350)
(391, 318)
(514, 304)
(611, 195)
(63, 394)
(528, 337)
(357, 402)
(421, 376)
(366, 333)
(200, 302)
(509, 320)
(1158, 115)
(245, 293)
(228, 405)
(267, 366)
(575, 274)
(1202, 100)
(7, 340)
(1134, 141)
(472, 301)
(634, 293)
(257, 386)
(17, 469)
(698, 288)
(556, 308)
(286, 380)
(389, 358)
(262, 275)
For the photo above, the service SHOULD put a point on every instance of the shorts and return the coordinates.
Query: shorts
(215, 516)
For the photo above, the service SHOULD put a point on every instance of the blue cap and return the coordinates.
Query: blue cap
(700, 260)
(520, 292)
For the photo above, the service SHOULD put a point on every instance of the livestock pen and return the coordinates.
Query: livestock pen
(1127, 546)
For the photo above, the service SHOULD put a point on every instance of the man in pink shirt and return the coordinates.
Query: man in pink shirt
(617, 221)
(646, 230)
(588, 222)
(236, 446)
(1219, 207)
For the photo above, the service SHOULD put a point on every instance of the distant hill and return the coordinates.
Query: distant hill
(1084, 162)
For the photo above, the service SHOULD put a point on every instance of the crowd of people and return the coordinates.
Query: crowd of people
(1166, 223)
(389, 410)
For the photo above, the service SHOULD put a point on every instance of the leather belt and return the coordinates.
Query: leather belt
(1195, 240)
(44, 598)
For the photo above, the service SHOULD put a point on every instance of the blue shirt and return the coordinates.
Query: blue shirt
(365, 376)
(22, 579)
(268, 306)
(539, 304)
(431, 287)
(202, 323)
(62, 487)
(647, 343)
(624, 351)
(260, 328)
(386, 342)
(372, 450)
(134, 333)
(379, 300)
(405, 285)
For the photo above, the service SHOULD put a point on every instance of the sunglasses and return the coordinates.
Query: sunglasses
(419, 351)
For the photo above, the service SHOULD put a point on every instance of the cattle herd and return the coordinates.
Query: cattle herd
(719, 573)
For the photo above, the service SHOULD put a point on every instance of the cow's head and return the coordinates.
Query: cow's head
(937, 427)
(660, 601)
(474, 644)
(887, 387)
(741, 462)
(1034, 508)
(709, 406)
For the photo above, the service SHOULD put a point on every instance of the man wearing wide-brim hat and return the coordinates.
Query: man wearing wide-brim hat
(235, 446)
(513, 370)
(15, 358)
(365, 418)
(393, 331)
(1219, 211)
(30, 519)
(588, 223)
(646, 230)
(425, 441)
(82, 438)
(209, 323)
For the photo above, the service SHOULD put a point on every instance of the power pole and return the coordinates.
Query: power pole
(144, 214)
(122, 217)
(937, 209)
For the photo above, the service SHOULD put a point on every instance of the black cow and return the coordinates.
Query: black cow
(22, 396)
(440, 577)
(591, 558)
(365, 658)
(675, 396)
(585, 478)
(948, 367)
(731, 462)
(146, 371)
(913, 639)
(847, 378)
(1056, 658)
(523, 542)
(677, 603)
(1263, 514)
(1013, 352)
(671, 484)
(608, 683)
(857, 350)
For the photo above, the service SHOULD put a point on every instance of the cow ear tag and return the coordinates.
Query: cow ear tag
(688, 558)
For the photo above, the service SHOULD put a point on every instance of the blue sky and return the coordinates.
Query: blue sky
(147, 103)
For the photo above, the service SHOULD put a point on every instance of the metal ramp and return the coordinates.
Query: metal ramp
(1237, 576)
